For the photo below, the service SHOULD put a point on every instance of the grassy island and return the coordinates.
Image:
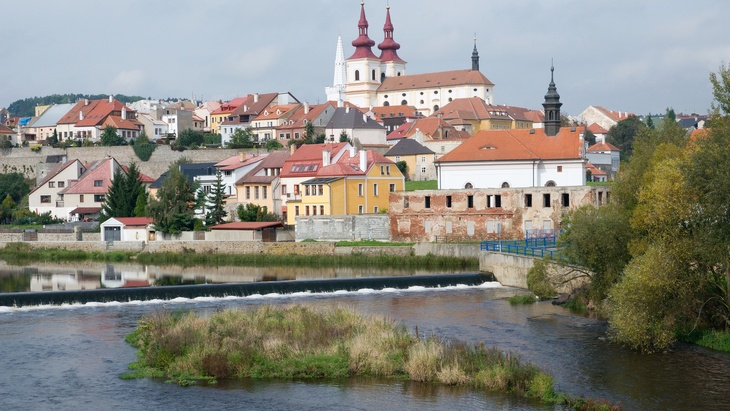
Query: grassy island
(304, 343)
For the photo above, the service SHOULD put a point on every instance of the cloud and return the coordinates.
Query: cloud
(251, 64)
(128, 82)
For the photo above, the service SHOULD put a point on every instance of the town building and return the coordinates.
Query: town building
(602, 116)
(43, 127)
(358, 126)
(419, 160)
(87, 119)
(604, 156)
(262, 186)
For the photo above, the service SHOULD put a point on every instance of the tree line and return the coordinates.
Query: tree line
(26, 107)
(657, 258)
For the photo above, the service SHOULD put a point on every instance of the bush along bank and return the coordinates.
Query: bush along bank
(304, 343)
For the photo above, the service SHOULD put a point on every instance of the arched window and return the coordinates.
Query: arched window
(436, 107)
(373, 75)
(550, 115)
(468, 185)
(550, 183)
(357, 75)
(505, 185)
(404, 103)
(382, 77)
(386, 104)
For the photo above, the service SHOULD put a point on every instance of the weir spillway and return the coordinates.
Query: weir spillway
(237, 289)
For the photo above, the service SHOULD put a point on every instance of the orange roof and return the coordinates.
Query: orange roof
(134, 221)
(596, 129)
(475, 108)
(347, 165)
(429, 126)
(433, 80)
(83, 106)
(229, 107)
(235, 162)
(603, 147)
(521, 144)
(101, 110)
(306, 161)
(595, 171)
(299, 118)
(100, 170)
(384, 112)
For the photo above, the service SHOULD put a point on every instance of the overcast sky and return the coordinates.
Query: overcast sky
(628, 55)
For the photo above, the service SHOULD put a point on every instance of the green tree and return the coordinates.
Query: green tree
(344, 138)
(143, 148)
(189, 138)
(589, 137)
(721, 90)
(216, 202)
(650, 121)
(53, 140)
(241, 138)
(253, 212)
(15, 185)
(622, 135)
(671, 116)
(172, 207)
(109, 137)
(7, 207)
(310, 134)
(121, 199)
(140, 205)
(403, 167)
(273, 145)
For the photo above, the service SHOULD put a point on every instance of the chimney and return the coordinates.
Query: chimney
(352, 152)
(347, 109)
(292, 149)
(86, 101)
(306, 107)
(255, 97)
(363, 160)
(81, 115)
(124, 113)
(325, 158)
(111, 98)
(241, 156)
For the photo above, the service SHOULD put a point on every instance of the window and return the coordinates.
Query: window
(248, 193)
(359, 209)
(372, 76)
(321, 210)
(256, 192)
(314, 210)
(560, 169)
(98, 183)
(469, 201)
(423, 170)
(306, 190)
(387, 170)
(565, 200)
(61, 184)
(357, 75)
(51, 184)
(397, 159)
(382, 170)
(405, 202)
(306, 210)
(505, 184)
(296, 135)
(45, 199)
(375, 209)
(320, 190)
(498, 201)
(546, 200)
(423, 159)
(360, 190)
(98, 198)
(448, 201)
(375, 190)
(391, 188)
(263, 192)
(468, 185)
(296, 189)
(528, 200)
(81, 198)
(427, 201)
(296, 210)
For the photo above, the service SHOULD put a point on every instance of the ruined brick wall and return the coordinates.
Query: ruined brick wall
(343, 227)
(483, 214)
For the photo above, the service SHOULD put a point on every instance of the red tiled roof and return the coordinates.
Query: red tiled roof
(384, 112)
(134, 221)
(85, 210)
(6, 130)
(603, 147)
(234, 162)
(350, 166)
(229, 107)
(595, 171)
(99, 170)
(275, 159)
(247, 225)
(434, 80)
(53, 172)
(509, 145)
(596, 129)
(475, 108)
(310, 154)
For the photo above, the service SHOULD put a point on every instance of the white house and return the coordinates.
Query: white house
(126, 229)
(604, 156)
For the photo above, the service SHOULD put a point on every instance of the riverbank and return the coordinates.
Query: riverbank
(303, 343)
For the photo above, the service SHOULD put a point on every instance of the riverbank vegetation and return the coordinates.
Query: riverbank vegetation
(657, 258)
(19, 253)
(299, 342)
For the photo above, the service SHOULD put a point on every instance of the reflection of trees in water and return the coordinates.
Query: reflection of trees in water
(14, 283)
(172, 280)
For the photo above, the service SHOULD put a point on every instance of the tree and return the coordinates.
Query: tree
(403, 167)
(253, 212)
(241, 138)
(109, 137)
(622, 135)
(671, 116)
(721, 90)
(650, 121)
(140, 206)
(321, 137)
(273, 145)
(216, 202)
(13, 184)
(53, 140)
(189, 138)
(6, 209)
(589, 137)
(309, 133)
(172, 208)
(121, 199)
(143, 148)
(344, 138)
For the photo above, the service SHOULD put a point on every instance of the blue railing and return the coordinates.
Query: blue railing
(532, 246)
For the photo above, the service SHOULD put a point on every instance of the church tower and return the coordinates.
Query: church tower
(552, 107)
(363, 67)
(475, 57)
(337, 91)
(391, 64)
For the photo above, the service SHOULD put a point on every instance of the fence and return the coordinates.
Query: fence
(537, 243)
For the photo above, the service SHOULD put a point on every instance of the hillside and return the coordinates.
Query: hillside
(26, 106)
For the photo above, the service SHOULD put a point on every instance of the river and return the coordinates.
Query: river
(70, 357)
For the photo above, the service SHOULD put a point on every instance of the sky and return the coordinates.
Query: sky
(625, 55)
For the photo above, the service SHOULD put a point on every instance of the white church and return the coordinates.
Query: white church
(367, 80)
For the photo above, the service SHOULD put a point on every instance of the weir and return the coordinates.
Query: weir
(237, 290)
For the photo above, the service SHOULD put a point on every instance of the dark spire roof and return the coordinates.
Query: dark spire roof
(552, 107)
(475, 56)
(363, 43)
(552, 94)
(389, 47)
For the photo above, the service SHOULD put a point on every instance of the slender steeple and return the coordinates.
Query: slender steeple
(363, 43)
(552, 107)
(388, 47)
(336, 92)
(475, 56)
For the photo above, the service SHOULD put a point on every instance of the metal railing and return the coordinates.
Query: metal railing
(534, 245)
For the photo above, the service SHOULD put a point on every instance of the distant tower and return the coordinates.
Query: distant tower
(391, 65)
(552, 107)
(337, 91)
(363, 67)
(475, 56)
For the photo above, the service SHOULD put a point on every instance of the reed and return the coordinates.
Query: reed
(299, 342)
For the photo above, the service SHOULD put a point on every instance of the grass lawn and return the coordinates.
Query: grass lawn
(421, 185)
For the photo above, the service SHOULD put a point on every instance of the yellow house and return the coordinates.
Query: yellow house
(357, 183)
(223, 112)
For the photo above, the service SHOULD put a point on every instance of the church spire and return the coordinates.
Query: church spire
(388, 47)
(336, 91)
(475, 56)
(552, 107)
(363, 43)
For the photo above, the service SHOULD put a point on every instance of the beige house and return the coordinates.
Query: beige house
(419, 159)
(262, 186)
(47, 197)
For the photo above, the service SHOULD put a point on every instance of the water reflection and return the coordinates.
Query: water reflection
(89, 275)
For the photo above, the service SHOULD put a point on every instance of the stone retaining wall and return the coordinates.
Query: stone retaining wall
(511, 270)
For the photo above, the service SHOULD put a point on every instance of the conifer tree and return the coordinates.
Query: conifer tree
(216, 202)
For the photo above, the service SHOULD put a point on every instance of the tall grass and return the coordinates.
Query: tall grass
(300, 342)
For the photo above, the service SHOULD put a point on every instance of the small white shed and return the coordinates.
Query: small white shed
(125, 229)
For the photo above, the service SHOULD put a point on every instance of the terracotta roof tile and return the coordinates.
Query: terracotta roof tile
(100, 170)
(434, 80)
(603, 147)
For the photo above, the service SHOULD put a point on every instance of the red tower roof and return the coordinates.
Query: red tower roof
(363, 43)
(389, 47)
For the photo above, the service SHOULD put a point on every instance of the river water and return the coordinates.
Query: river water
(70, 357)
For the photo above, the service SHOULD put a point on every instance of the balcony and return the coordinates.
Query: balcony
(59, 203)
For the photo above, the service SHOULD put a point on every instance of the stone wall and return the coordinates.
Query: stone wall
(511, 270)
(343, 227)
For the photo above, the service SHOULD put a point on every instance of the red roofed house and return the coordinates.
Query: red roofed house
(474, 114)
(596, 174)
(88, 118)
(336, 179)
(262, 185)
(603, 117)
(126, 229)
(250, 108)
(604, 156)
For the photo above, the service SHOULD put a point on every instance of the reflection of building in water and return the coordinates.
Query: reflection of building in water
(124, 276)
(73, 281)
